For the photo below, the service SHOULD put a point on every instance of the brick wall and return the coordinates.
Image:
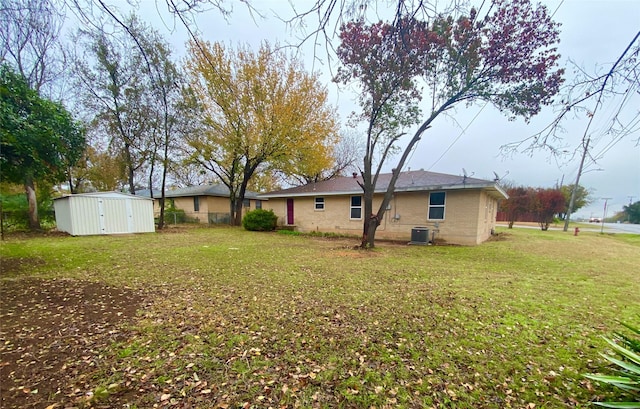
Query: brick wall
(469, 216)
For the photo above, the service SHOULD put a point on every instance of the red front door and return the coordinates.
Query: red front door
(290, 212)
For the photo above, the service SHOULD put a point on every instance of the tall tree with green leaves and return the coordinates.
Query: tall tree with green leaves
(136, 93)
(505, 57)
(632, 212)
(260, 109)
(169, 104)
(98, 170)
(581, 198)
(116, 97)
(39, 139)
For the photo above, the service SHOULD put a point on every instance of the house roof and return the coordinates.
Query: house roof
(202, 190)
(411, 181)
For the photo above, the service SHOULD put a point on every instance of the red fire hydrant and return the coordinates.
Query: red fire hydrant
(576, 231)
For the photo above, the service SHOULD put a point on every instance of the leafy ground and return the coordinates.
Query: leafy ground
(223, 318)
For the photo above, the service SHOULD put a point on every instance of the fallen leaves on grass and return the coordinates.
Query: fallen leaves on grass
(51, 336)
(283, 323)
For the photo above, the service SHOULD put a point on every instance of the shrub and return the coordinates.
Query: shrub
(627, 371)
(15, 211)
(260, 220)
(289, 232)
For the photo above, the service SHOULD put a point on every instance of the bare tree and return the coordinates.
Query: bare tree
(346, 156)
(584, 96)
(30, 32)
(619, 85)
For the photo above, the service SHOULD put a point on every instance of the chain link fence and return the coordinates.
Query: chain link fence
(181, 217)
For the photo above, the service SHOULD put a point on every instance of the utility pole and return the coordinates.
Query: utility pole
(591, 115)
(574, 191)
(604, 214)
(629, 210)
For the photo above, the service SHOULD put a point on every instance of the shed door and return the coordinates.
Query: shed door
(290, 212)
(101, 223)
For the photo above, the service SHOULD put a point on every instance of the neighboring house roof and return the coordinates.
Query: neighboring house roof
(412, 181)
(203, 190)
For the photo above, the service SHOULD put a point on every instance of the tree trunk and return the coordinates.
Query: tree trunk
(368, 184)
(161, 202)
(232, 208)
(369, 219)
(371, 225)
(364, 243)
(368, 187)
(238, 214)
(249, 170)
(72, 189)
(1, 222)
(240, 204)
(132, 186)
(163, 185)
(34, 221)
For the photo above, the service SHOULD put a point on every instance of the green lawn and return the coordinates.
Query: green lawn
(240, 319)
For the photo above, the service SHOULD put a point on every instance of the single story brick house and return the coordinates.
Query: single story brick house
(204, 204)
(455, 209)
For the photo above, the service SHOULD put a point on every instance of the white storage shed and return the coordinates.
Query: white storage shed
(104, 213)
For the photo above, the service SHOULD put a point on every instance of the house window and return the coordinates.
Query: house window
(258, 204)
(436, 206)
(196, 203)
(319, 203)
(356, 207)
(246, 203)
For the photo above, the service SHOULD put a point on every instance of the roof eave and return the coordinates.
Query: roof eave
(483, 186)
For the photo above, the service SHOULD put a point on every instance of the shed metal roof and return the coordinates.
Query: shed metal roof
(105, 195)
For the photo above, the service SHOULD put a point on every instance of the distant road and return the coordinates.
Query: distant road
(618, 228)
(608, 227)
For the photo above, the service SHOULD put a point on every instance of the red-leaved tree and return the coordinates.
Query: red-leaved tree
(505, 57)
(519, 203)
(547, 203)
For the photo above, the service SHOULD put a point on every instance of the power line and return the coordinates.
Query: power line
(458, 137)
(556, 10)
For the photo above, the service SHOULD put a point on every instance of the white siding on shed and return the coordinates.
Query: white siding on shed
(104, 213)
(142, 224)
(85, 215)
(62, 210)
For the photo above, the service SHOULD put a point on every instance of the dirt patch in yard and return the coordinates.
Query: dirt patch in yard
(11, 266)
(51, 334)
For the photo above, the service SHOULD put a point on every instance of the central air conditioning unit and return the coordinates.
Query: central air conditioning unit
(420, 235)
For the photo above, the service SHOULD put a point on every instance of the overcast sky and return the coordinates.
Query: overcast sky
(593, 34)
